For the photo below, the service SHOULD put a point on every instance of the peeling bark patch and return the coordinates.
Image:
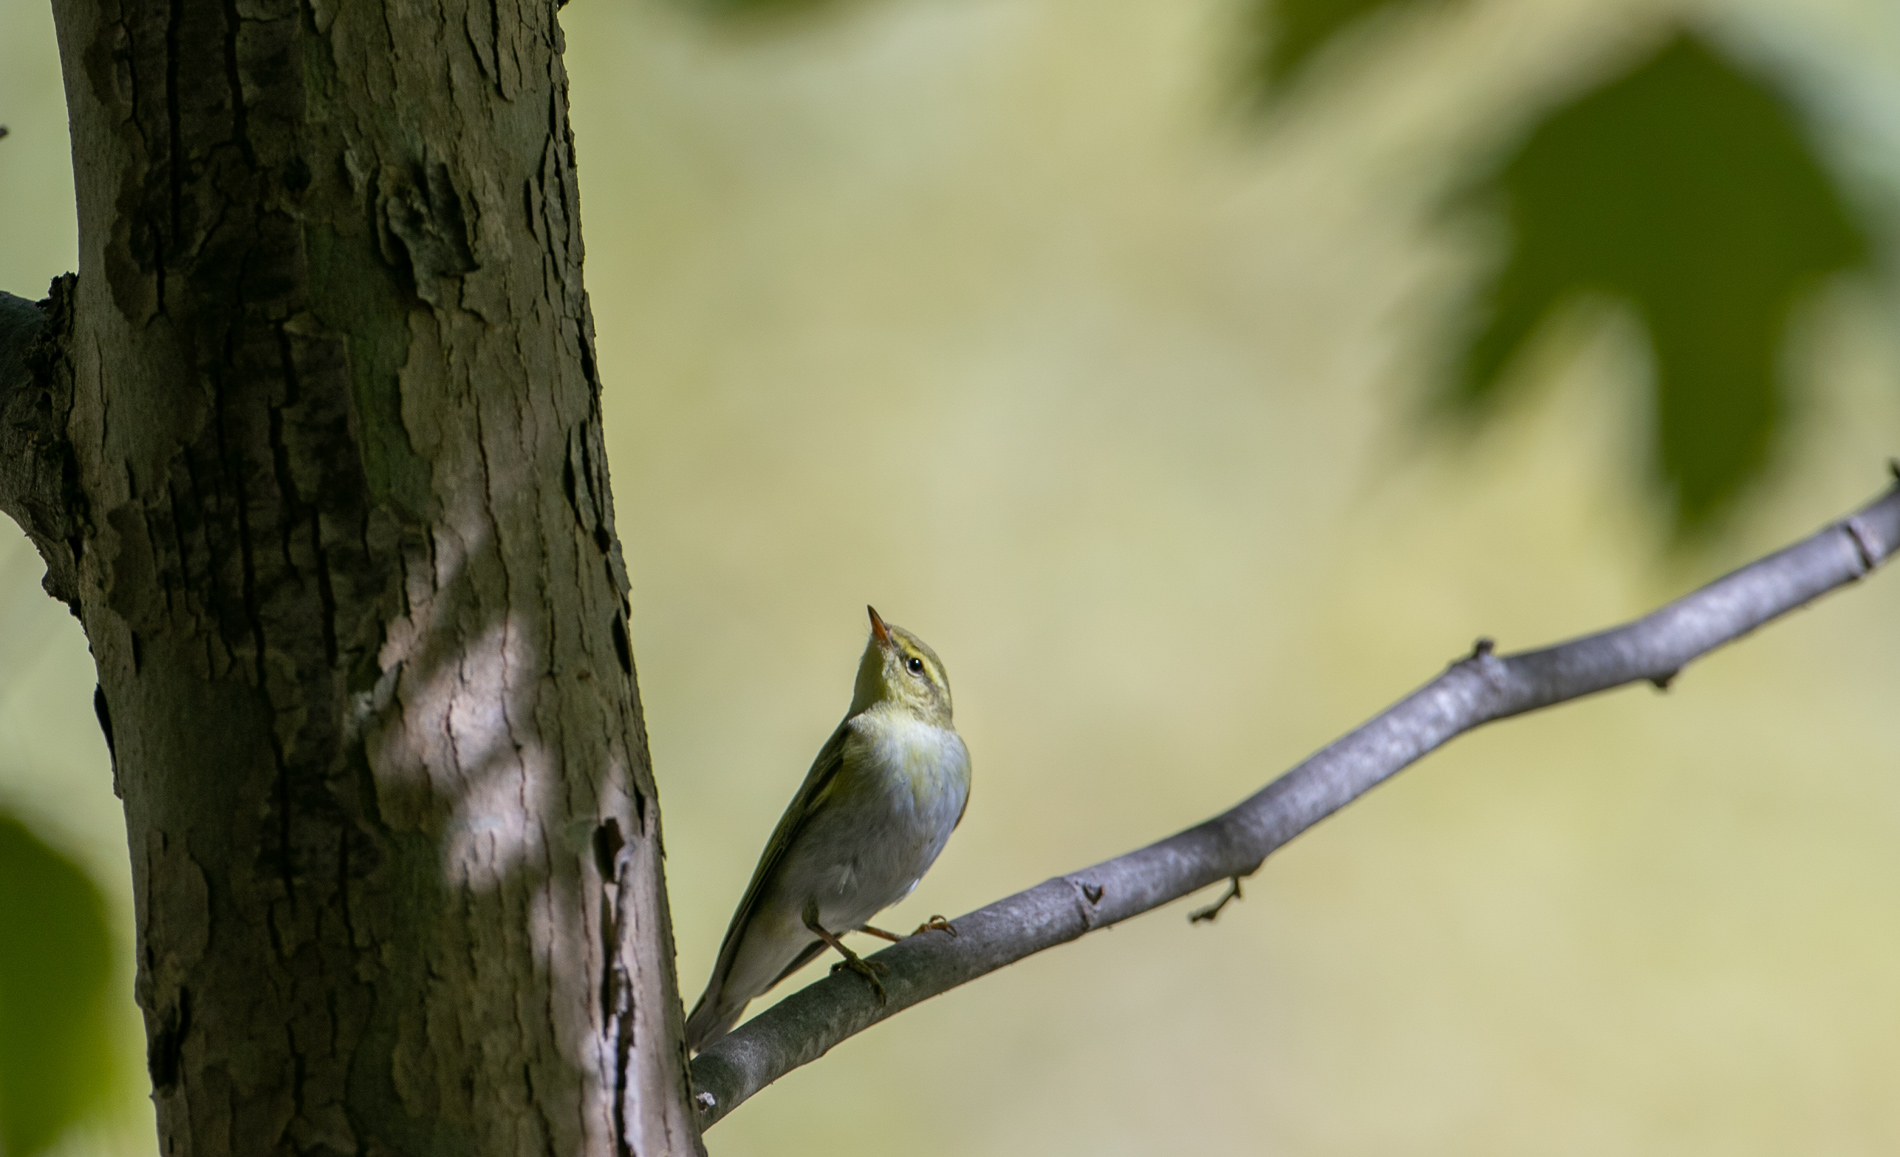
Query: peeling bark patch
(163, 1052)
(623, 648)
(424, 227)
(617, 997)
(104, 715)
(607, 845)
(569, 478)
(585, 484)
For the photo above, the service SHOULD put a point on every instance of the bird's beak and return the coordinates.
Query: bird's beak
(879, 631)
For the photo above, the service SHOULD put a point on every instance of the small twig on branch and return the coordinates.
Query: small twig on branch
(1478, 689)
(1208, 913)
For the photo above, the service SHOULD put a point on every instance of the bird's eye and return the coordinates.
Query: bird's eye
(915, 665)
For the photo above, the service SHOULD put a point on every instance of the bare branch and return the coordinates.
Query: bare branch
(1475, 690)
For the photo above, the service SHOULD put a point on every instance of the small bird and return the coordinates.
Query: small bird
(878, 804)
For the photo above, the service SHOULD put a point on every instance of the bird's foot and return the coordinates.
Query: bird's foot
(865, 968)
(935, 924)
(869, 969)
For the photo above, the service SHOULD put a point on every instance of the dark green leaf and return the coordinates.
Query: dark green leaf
(55, 958)
(767, 9)
(1686, 189)
(1290, 32)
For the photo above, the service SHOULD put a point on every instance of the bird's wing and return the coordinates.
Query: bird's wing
(824, 772)
(966, 784)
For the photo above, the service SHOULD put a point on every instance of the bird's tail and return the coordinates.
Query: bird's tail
(712, 1018)
(728, 992)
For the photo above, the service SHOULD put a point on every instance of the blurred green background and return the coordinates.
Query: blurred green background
(1197, 376)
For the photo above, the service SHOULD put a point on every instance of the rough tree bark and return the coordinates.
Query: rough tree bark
(312, 448)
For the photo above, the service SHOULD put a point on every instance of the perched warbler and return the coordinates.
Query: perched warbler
(878, 804)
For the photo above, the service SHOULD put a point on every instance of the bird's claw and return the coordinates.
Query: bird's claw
(935, 924)
(868, 969)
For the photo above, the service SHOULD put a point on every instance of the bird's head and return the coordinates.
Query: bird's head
(899, 669)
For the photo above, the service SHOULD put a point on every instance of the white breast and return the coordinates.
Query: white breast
(905, 744)
(922, 775)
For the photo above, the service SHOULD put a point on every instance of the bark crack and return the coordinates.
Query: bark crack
(240, 129)
(175, 151)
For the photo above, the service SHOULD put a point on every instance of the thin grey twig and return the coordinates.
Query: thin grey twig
(1475, 690)
(1212, 912)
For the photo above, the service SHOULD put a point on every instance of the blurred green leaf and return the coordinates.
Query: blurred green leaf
(1290, 32)
(55, 958)
(738, 9)
(1686, 189)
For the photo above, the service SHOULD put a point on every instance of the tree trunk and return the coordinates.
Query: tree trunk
(323, 416)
